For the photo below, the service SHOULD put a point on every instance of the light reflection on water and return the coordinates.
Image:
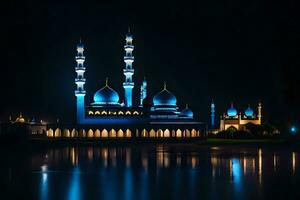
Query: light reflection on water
(161, 171)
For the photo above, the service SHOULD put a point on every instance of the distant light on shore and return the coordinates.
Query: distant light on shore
(293, 129)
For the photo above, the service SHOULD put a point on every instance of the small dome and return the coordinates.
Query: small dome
(164, 98)
(187, 112)
(20, 119)
(231, 112)
(106, 95)
(249, 112)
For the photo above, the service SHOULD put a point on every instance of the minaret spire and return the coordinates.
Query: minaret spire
(212, 110)
(128, 71)
(80, 82)
(106, 81)
(259, 114)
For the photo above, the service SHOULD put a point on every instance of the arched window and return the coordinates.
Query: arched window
(178, 133)
(167, 133)
(57, 133)
(66, 133)
(127, 112)
(135, 113)
(103, 112)
(128, 133)
(160, 133)
(90, 133)
(82, 133)
(152, 133)
(104, 133)
(50, 133)
(194, 133)
(112, 133)
(144, 133)
(91, 112)
(120, 133)
(74, 133)
(97, 133)
(120, 113)
(97, 112)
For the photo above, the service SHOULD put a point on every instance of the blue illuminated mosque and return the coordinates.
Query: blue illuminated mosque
(109, 115)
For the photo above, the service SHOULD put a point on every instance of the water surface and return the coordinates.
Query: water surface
(149, 171)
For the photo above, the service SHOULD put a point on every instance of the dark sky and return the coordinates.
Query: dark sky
(231, 51)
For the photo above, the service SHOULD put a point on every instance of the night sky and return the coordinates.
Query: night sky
(229, 51)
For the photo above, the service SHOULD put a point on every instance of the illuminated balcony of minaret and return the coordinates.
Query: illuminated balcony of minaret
(128, 58)
(80, 57)
(79, 80)
(78, 69)
(80, 92)
(128, 72)
(128, 47)
(128, 84)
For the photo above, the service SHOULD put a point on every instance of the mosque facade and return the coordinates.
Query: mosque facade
(236, 121)
(108, 115)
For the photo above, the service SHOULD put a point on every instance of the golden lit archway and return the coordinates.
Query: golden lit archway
(97, 133)
(167, 133)
(144, 133)
(152, 133)
(74, 133)
(50, 133)
(194, 133)
(90, 133)
(187, 133)
(57, 133)
(128, 133)
(104, 133)
(120, 133)
(178, 133)
(112, 133)
(160, 133)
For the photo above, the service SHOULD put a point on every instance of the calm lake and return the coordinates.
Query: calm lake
(150, 171)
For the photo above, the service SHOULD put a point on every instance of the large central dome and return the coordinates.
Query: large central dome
(164, 98)
(106, 95)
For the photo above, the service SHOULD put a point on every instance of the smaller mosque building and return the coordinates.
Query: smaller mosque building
(235, 120)
(22, 127)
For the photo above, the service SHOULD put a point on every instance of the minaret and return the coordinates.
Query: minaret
(143, 92)
(128, 71)
(212, 111)
(259, 115)
(80, 81)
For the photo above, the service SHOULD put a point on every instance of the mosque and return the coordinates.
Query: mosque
(109, 115)
(232, 120)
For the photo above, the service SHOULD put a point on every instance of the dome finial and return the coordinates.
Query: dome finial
(186, 106)
(106, 81)
(128, 29)
(80, 40)
(165, 85)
